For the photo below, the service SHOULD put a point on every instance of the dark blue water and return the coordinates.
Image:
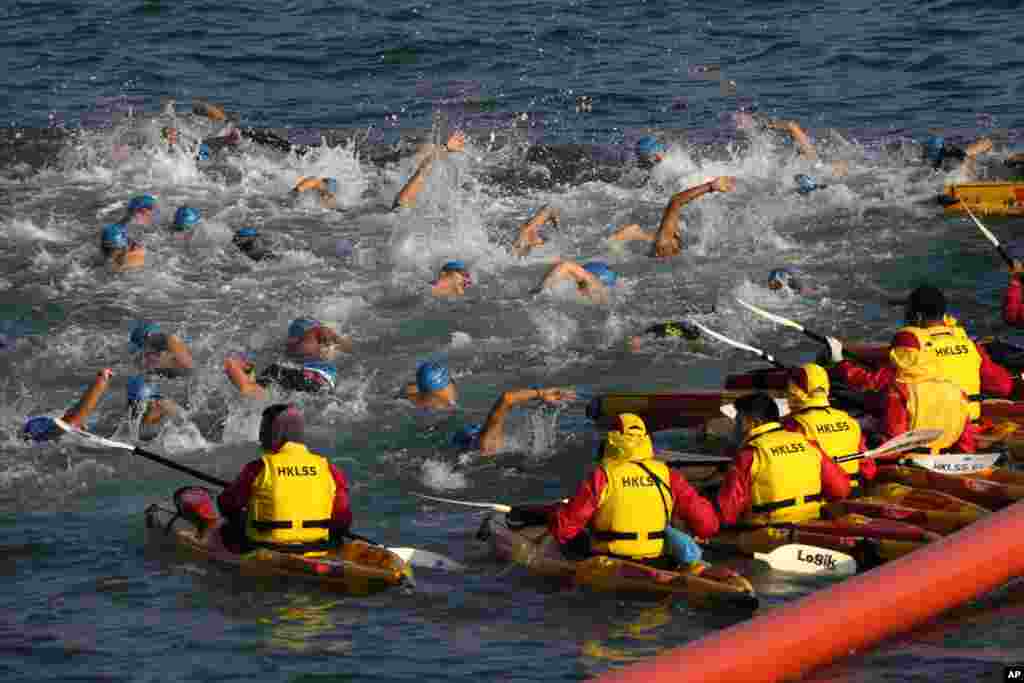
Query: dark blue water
(89, 599)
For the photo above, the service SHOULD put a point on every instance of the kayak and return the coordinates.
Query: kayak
(990, 494)
(701, 585)
(667, 410)
(996, 198)
(192, 525)
(933, 510)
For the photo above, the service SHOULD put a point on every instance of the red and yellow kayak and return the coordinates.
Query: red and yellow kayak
(991, 198)
(987, 493)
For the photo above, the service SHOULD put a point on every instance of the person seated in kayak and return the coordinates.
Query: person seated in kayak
(120, 253)
(920, 397)
(311, 377)
(668, 238)
(777, 476)
(162, 354)
(784, 280)
(628, 500)
(594, 279)
(142, 210)
(489, 437)
(452, 280)
(433, 389)
(961, 361)
(327, 188)
(406, 197)
(41, 428)
(147, 407)
(680, 329)
(833, 431)
(310, 339)
(186, 219)
(291, 499)
(529, 232)
(251, 243)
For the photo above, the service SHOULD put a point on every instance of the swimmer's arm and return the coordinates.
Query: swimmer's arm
(800, 137)
(528, 238)
(407, 195)
(178, 349)
(246, 385)
(87, 403)
(492, 439)
(411, 391)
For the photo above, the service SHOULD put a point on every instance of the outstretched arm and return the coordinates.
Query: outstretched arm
(800, 137)
(247, 386)
(667, 242)
(178, 349)
(586, 282)
(407, 195)
(492, 439)
(87, 403)
(528, 237)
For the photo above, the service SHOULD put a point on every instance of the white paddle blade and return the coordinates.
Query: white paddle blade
(770, 316)
(916, 438)
(797, 558)
(984, 231)
(417, 557)
(93, 439)
(497, 507)
(957, 463)
(729, 409)
(726, 340)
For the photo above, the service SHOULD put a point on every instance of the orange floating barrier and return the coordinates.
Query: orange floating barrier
(788, 642)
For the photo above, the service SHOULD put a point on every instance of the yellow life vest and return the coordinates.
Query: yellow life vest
(835, 432)
(959, 360)
(785, 476)
(634, 508)
(292, 498)
(937, 404)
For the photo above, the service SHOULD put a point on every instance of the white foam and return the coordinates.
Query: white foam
(439, 475)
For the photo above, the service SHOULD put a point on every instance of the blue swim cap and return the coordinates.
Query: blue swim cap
(139, 333)
(203, 153)
(246, 233)
(141, 390)
(300, 326)
(332, 184)
(326, 371)
(933, 148)
(144, 201)
(115, 236)
(805, 183)
(186, 217)
(602, 272)
(456, 265)
(468, 438)
(782, 278)
(648, 145)
(40, 428)
(432, 377)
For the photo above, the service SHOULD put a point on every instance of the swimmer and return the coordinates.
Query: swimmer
(649, 152)
(593, 279)
(783, 279)
(326, 187)
(120, 253)
(310, 377)
(452, 280)
(406, 197)
(668, 239)
(433, 389)
(529, 236)
(252, 244)
(949, 158)
(163, 354)
(310, 339)
(142, 210)
(489, 438)
(147, 408)
(805, 184)
(185, 221)
(681, 329)
(41, 428)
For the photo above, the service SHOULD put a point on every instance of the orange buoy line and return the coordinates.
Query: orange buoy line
(788, 642)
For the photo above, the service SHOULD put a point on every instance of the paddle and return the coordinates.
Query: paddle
(739, 345)
(798, 558)
(414, 556)
(988, 233)
(821, 339)
(916, 438)
(692, 459)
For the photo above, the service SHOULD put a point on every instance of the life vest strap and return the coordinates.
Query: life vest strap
(306, 524)
(625, 535)
(295, 548)
(788, 502)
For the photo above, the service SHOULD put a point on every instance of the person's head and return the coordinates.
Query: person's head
(602, 272)
(934, 149)
(468, 437)
(144, 210)
(628, 440)
(808, 387)
(455, 272)
(913, 356)
(754, 410)
(203, 152)
(926, 304)
(280, 424)
(142, 395)
(330, 185)
(245, 238)
(649, 151)
(321, 372)
(783, 279)
(805, 184)
(141, 332)
(186, 219)
(114, 238)
(298, 328)
(432, 378)
(39, 429)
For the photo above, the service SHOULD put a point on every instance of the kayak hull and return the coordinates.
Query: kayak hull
(993, 198)
(986, 493)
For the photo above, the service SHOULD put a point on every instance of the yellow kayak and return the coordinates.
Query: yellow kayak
(995, 198)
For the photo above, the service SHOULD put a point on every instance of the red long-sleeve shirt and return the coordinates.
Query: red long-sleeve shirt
(569, 519)
(896, 420)
(734, 498)
(1013, 303)
(235, 498)
(867, 468)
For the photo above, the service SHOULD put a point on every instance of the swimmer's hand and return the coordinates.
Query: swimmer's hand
(457, 142)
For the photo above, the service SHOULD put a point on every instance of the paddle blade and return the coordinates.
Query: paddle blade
(417, 557)
(797, 558)
(770, 316)
(93, 439)
(957, 463)
(984, 231)
(917, 438)
(497, 507)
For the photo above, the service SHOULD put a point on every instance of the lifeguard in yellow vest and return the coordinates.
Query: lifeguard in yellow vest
(629, 499)
(777, 476)
(290, 499)
(921, 398)
(833, 431)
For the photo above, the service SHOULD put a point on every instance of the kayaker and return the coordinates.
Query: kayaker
(921, 398)
(452, 280)
(833, 431)
(529, 232)
(41, 428)
(291, 499)
(251, 243)
(327, 188)
(594, 279)
(777, 476)
(433, 389)
(406, 197)
(310, 339)
(629, 499)
(668, 238)
(311, 377)
(147, 407)
(120, 253)
(961, 361)
(489, 437)
(162, 354)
